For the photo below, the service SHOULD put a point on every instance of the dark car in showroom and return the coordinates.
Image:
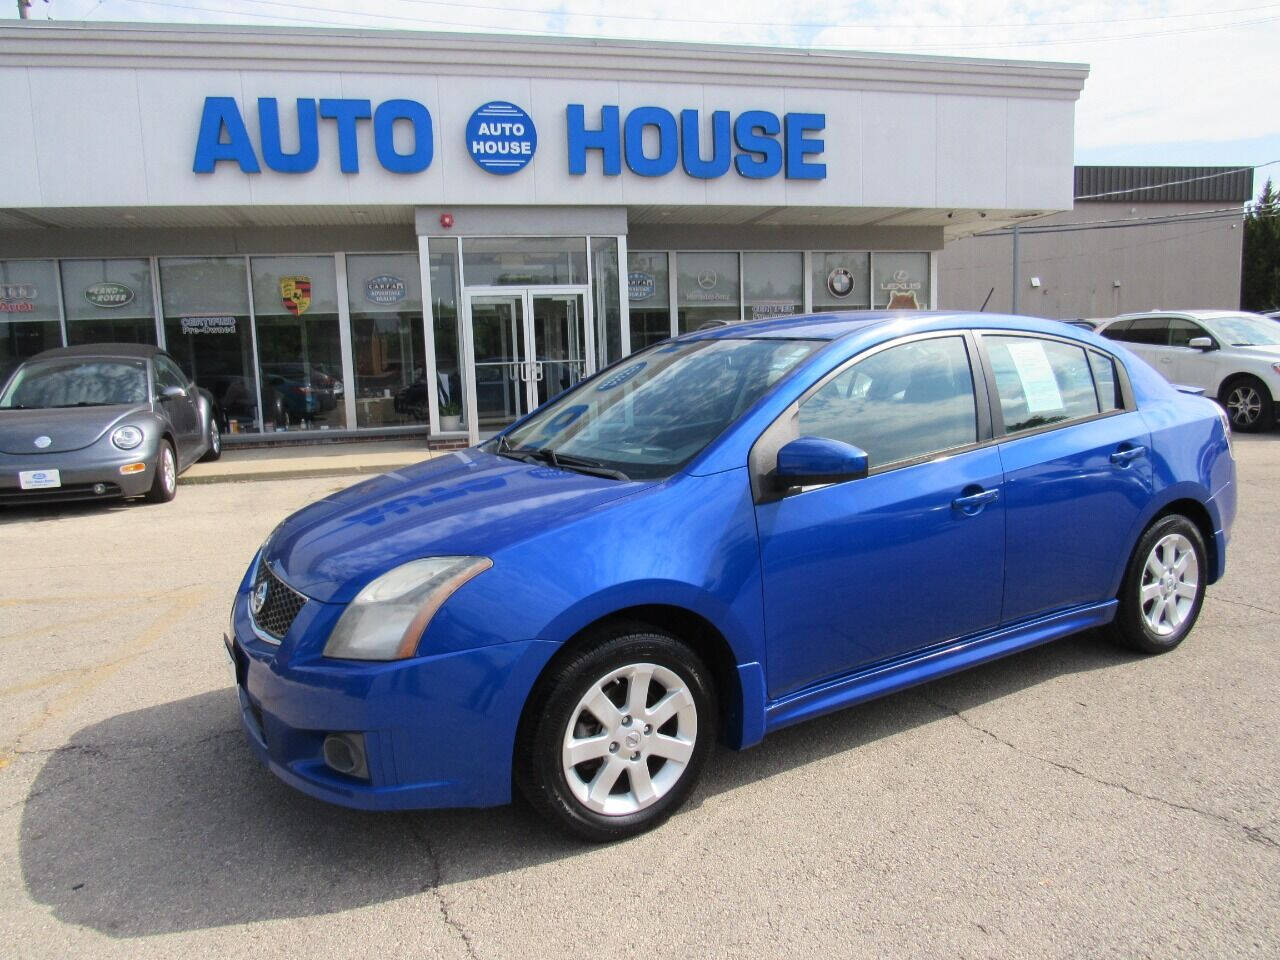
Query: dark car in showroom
(98, 421)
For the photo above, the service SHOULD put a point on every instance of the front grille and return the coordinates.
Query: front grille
(280, 605)
(13, 496)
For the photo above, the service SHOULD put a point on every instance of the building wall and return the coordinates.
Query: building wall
(1100, 273)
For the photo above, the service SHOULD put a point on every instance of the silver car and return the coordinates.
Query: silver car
(101, 420)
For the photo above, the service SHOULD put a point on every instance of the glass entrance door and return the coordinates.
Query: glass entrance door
(526, 346)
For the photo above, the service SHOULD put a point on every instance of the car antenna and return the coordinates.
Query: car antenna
(986, 301)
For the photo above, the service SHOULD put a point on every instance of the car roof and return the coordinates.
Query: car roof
(136, 351)
(1190, 314)
(837, 326)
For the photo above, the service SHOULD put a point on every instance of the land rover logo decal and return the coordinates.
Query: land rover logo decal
(108, 294)
(384, 289)
(840, 283)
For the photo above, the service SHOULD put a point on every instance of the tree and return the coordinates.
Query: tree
(1260, 270)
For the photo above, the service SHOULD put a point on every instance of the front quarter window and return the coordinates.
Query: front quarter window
(648, 416)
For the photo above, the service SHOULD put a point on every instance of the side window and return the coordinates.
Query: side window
(1040, 382)
(1104, 376)
(167, 375)
(899, 404)
(1117, 331)
(1182, 331)
(1153, 331)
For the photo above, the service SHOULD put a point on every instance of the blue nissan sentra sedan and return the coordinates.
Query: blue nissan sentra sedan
(726, 533)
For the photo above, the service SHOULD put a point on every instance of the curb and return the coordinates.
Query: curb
(306, 474)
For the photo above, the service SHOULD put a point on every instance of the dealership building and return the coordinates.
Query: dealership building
(340, 230)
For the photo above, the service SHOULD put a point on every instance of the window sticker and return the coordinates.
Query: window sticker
(1039, 385)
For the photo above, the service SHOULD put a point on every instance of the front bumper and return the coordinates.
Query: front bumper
(438, 730)
(80, 471)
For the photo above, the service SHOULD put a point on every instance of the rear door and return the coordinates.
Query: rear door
(183, 412)
(907, 557)
(1076, 470)
(1148, 337)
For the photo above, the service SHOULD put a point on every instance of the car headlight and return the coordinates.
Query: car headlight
(126, 438)
(386, 619)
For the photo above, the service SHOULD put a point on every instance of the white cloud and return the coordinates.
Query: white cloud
(1161, 70)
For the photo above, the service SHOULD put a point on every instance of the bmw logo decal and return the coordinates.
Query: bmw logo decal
(840, 283)
(43, 442)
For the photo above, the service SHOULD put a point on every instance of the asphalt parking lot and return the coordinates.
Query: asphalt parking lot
(1074, 800)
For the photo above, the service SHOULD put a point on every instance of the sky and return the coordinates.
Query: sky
(1172, 82)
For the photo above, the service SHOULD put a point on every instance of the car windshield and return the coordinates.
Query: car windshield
(1242, 330)
(76, 383)
(647, 417)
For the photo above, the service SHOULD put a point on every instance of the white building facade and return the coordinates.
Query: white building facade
(366, 230)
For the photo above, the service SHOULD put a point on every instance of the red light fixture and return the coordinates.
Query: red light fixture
(446, 220)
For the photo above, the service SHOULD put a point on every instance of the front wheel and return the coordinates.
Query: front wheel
(1163, 588)
(614, 738)
(1248, 403)
(165, 485)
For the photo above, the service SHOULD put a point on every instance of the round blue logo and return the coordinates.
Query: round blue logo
(501, 137)
(619, 377)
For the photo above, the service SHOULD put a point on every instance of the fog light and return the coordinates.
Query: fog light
(344, 752)
(133, 468)
(99, 488)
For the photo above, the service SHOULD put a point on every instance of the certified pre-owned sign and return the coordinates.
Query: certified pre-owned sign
(108, 293)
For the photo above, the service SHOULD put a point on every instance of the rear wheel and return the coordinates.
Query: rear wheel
(164, 487)
(1163, 588)
(1248, 403)
(215, 441)
(615, 737)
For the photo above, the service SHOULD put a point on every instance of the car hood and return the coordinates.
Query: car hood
(68, 428)
(466, 503)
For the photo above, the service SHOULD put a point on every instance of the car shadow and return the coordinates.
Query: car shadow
(37, 512)
(160, 820)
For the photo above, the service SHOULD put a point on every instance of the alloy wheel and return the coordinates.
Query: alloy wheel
(630, 739)
(215, 437)
(1245, 405)
(1170, 584)
(168, 471)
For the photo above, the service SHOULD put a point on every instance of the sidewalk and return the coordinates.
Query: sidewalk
(312, 460)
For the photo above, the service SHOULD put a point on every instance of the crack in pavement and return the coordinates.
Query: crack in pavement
(442, 904)
(1251, 832)
(1241, 603)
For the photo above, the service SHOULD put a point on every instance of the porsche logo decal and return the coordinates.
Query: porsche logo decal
(295, 294)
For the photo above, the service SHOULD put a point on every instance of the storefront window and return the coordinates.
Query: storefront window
(206, 327)
(773, 284)
(444, 327)
(524, 261)
(604, 294)
(384, 292)
(841, 281)
(901, 281)
(29, 316)
(108, 301)
(649, 296)
(706, 289)
(295, 309)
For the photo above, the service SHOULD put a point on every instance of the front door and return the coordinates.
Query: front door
(526, 346)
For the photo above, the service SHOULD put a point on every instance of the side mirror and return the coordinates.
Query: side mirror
(1201, 343)
(808, 460)
(172, 393)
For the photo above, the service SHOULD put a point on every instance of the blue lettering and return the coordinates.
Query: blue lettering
(346, 113)
(308, 153)
(606, 139)
(691, 148)
(384, 139)
(798, 146)
(222, 113)
(762, 155)
(668, 144)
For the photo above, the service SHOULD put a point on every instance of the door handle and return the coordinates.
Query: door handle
(537, 367)
(1127, 455)
(971, 504)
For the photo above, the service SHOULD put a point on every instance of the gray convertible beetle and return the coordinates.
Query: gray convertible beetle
(101, 420)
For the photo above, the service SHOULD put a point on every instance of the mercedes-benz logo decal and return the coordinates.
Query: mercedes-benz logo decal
(259, 598)
(707, 279)
(43, 442)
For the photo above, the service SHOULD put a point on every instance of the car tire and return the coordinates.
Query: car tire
(215, 442)
(1248, 403)
(164, 485)
(1163, 587)
(639, 707)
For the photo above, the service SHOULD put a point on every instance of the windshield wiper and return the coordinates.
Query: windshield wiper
(565, 461)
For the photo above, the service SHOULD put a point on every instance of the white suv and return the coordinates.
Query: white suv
(1234, 356)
